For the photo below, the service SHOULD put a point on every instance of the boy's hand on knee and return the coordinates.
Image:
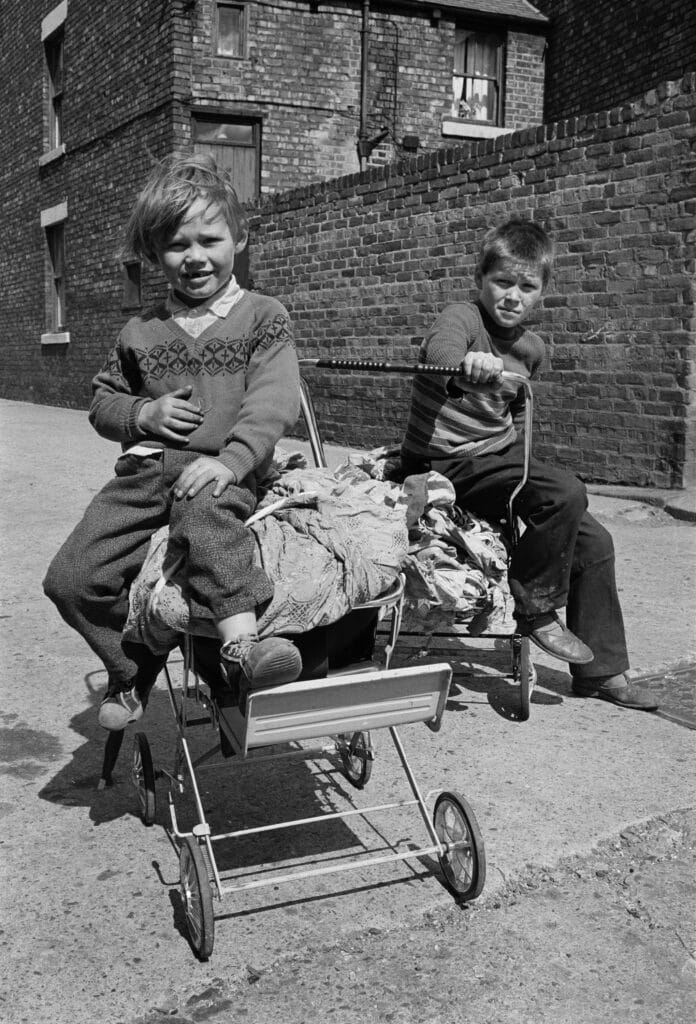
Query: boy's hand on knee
(171, 416)
(199, 474)
(481, 368)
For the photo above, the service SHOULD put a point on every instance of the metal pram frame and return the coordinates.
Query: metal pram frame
(522, 669)
(343, 708)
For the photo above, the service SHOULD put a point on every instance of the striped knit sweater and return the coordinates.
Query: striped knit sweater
(244, 374)
(445, 422)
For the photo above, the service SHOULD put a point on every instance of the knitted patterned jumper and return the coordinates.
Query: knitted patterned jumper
(243, 371)
(445, 422)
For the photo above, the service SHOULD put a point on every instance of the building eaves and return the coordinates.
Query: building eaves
(500, 10)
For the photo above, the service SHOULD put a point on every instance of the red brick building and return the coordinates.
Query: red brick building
(603, 54)
(290, 93)
(281, 91)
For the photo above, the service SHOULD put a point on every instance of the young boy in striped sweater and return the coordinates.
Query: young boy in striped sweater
(564, 558)
(197, 391)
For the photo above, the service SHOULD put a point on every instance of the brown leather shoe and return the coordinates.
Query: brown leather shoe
(617, 690)
(548, 632)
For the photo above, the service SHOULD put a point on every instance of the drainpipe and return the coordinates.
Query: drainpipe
(364, 148)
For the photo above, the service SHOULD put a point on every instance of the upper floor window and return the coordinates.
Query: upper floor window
(477, 80)
(52, 36)
(229, 30)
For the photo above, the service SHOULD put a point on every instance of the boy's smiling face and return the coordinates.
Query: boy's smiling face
(197, 259)
(510, 290)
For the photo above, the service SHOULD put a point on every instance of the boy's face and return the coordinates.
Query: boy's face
(510, 290)
(197, 259)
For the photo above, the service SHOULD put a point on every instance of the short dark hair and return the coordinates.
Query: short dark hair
(172, 186)
(517, 239)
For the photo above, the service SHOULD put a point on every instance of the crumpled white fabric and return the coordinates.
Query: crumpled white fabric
(349, 535)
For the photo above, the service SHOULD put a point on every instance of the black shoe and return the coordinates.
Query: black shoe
(617, 690)
(548, 632)
(250, 664)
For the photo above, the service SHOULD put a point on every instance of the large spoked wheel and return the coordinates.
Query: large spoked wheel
(463, 866)
(197, 897)
(527, 679)
(143, 775)
(356, 758)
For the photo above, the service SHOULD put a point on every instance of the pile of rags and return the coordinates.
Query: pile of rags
(330, 540)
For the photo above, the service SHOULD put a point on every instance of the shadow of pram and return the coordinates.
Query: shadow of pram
(233, 797)
(484, 671)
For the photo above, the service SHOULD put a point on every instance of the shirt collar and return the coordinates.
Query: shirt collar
(219, 304)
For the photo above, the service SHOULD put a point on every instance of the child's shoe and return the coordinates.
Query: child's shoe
(248, 663)
(119, 708)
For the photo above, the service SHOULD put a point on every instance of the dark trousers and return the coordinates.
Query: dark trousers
(564, 557)
(91, 575)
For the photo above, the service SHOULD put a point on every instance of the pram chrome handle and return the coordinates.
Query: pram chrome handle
(424, 368)
(376, 366)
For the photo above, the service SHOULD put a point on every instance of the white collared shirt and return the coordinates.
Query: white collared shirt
(195, 319)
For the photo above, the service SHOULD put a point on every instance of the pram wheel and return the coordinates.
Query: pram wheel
(143, 775)
(356, 757)
(197, 897)
(524, 673)
(464, 867)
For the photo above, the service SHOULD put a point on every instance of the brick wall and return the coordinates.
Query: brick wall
(365, 263)
(117, 75)
(603, 53)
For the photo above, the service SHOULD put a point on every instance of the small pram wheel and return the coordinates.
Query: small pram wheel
(527, 679)
(143, 775)
(464, 868)
(524, 673)
(197, 897)
(356, 758)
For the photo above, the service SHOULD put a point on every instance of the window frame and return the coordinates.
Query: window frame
(215, 33)
(497, 40)
(54, 53)
(53, 42)
(53, 222)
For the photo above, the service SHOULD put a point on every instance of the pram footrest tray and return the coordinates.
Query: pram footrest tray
(356, 702)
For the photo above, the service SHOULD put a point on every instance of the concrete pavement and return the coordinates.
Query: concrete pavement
(93, 925)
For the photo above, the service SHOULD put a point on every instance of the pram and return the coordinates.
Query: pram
(352, 694)
(523, 671)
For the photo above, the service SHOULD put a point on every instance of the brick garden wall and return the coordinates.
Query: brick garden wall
(604, 52)
(365, 263)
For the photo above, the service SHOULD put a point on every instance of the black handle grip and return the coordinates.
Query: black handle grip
(386, 367)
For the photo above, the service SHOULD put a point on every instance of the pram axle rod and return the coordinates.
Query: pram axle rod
(333, 869)
(327, 816)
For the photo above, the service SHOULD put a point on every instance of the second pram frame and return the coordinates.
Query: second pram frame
(522, 671)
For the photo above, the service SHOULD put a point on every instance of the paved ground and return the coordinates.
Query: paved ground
(568, 802)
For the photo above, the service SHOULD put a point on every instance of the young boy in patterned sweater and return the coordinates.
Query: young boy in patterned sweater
(197, 391)
(564, 557)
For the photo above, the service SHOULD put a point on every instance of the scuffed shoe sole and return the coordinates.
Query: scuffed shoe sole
(119, 710)
(622, 697)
